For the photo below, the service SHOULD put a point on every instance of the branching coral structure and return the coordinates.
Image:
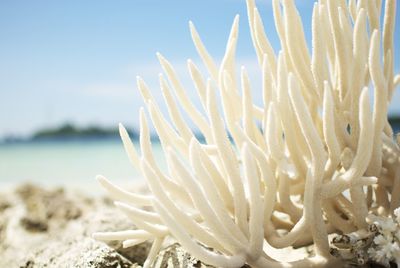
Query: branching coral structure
(315, 159)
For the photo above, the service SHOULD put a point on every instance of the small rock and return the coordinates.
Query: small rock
(175, 256)
(44, 207)
(4, 204)
(79, 253)
(136, 254)
(34, 225)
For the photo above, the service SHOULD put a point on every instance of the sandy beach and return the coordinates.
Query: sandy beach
(52, 227)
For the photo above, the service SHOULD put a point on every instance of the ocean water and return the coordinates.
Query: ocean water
(69, 163)
(72, 163)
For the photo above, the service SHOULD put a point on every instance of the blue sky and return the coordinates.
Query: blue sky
(76, 61)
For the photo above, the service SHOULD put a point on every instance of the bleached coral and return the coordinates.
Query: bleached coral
(385, 247)
(378, 244)
(282, 184)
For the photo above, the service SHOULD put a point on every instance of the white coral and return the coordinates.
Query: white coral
(385, 247)
(281, 185)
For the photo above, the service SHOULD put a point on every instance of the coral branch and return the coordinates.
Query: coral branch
(313, 160)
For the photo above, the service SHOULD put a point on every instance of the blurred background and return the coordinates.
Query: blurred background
(68, 77)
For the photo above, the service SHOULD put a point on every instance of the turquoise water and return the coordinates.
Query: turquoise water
(71, 163)
(68, 163)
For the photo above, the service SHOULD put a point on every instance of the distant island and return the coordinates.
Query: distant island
(71, 132)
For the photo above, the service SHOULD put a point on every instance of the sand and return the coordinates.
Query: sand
(42, 227)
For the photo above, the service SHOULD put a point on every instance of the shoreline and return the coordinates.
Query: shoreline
(96, 190)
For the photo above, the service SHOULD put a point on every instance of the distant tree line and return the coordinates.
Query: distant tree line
(69, 131)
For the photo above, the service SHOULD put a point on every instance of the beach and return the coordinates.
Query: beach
(50, 204)
(53, 227)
